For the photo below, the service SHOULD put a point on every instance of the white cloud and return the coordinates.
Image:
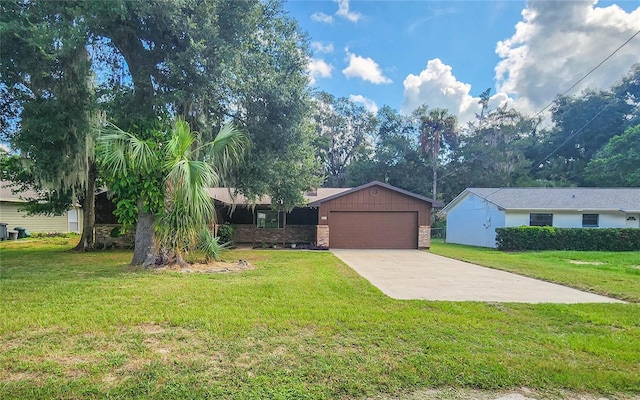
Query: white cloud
(364, 68)
(320, 47)
(343, 11)
(368, 104)
(318, 68)
(322, 17)
(557, 43)
(437, 87)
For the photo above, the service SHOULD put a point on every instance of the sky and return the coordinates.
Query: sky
(445, 53)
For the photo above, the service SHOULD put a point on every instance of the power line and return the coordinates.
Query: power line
(537, 165)
(590, 72)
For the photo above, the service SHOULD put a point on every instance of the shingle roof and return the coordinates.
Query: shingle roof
(6, 193)
(227, 196)
(618, 199)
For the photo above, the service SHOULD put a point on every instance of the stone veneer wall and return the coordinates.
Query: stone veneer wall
(322, 235)
(424, 237)
(294, 234)
(104, 239)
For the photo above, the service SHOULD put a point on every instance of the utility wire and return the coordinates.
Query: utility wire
(590, 72)
(537, 165)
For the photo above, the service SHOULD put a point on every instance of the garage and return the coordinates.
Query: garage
(374, 229)
(374, 216)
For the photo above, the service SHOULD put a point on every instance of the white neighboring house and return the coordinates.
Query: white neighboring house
(11, 214)
(474, 215)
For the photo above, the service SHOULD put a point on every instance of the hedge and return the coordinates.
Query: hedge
(551, 238)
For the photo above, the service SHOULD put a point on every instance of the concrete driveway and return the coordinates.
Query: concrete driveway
(420, 275)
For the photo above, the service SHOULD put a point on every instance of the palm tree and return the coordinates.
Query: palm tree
(188, 208)
(189, 168)
(436, 127)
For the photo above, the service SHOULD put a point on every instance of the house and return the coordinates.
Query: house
(11, 213)
(474, 215)
(374, 215)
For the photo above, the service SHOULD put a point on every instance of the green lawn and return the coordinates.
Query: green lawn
(300, 325)
(614, 274)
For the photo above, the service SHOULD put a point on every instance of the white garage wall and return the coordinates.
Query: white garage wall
(473, 221)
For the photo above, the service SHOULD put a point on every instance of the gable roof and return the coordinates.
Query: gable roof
(434, 203)
(605, 199)
(227, 196)
(6, 193)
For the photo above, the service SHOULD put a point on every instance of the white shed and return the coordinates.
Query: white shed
(474, 215)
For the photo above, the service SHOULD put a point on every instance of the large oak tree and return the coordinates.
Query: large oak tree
(208, 61)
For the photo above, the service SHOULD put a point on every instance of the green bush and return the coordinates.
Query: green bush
(551, 238)
(225, 233)
(117, 232)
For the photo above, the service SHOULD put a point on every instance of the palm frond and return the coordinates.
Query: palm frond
(118, 150)
(227, 149)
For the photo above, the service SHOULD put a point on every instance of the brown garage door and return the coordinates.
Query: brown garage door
(373, 230)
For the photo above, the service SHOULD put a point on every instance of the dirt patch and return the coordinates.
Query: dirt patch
(585, 262)
(211, 267)
(152, 329)
(514, 394)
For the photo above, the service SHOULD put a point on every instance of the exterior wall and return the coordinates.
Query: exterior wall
(10, 214)
(569, 219)
(375, 198)
(473, 221)
(104, 239)
(290, 234)
(322, 235)
(424, 237)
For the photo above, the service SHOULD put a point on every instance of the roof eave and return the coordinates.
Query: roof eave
(434, 203)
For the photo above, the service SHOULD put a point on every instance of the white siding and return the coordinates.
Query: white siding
(568, 219)
(10, 214)
(473, 221)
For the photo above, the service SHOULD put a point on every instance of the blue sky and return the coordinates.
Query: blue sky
(445, 53)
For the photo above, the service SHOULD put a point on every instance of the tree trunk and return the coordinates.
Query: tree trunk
(434, 192)
(87, 239)
(144, 251)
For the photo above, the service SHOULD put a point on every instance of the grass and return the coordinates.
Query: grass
(614, 274)
(300, 325)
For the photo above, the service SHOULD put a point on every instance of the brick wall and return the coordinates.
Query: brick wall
(294, 234)
(104, 239)
(424, 237)
(322, 235)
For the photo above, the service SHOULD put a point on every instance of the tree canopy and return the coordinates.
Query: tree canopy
(142, 63)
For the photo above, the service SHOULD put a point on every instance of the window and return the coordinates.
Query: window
(540, 219)
(72, 219)
(590, 220)
(269, 219)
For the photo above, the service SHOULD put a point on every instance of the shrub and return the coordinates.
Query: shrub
(39, 235)
(117, 232)
(551, 238)
(225, 233)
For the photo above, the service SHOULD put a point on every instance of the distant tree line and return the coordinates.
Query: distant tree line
(591, 139)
